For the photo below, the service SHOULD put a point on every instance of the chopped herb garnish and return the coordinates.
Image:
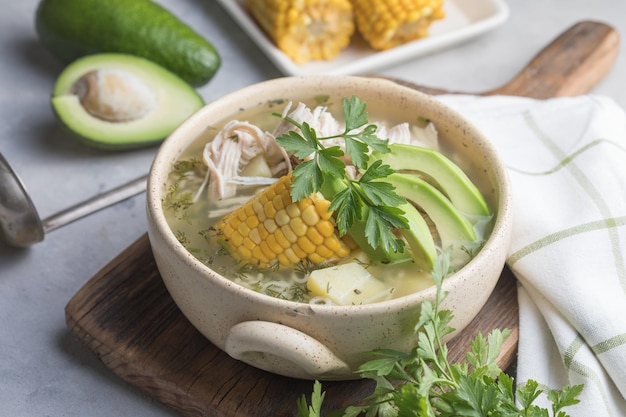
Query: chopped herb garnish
(368, 198)
(423, 383)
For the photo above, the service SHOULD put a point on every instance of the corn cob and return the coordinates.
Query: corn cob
(271, 229)
(305, 30)
(385, 24)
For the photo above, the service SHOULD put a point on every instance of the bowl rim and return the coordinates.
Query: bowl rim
(186, 133)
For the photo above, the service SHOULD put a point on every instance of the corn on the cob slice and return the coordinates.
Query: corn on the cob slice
(385, 24)
(305, 30)
(271, 229)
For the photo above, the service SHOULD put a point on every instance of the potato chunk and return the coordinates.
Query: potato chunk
(348, 284)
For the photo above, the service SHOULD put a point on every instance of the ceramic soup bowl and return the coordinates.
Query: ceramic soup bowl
(325, 342)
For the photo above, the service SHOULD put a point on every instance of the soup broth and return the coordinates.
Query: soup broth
(191, 215)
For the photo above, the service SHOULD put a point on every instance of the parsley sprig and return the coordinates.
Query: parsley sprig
(368, 198)
(423, 383)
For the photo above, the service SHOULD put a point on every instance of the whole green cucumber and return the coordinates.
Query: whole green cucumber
(71, 29)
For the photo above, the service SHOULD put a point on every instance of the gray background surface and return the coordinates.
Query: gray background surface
(44, 371)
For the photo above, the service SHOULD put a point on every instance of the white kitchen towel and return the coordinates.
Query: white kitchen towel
(566, 159)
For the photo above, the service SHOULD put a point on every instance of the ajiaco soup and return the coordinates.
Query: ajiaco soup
(316, 202)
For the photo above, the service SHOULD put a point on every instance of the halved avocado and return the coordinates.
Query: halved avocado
(119, 101)
(454, 183)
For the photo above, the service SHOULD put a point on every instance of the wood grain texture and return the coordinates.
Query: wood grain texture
(570, 65)
(125, 315)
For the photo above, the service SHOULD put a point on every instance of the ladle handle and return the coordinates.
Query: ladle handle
(94, 204)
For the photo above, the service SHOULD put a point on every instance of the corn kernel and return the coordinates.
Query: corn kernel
(255, 236)
(283, 259)
(314, 236)
(227, 229)
(310, 216)
(270, 225)
(322, 207)
(316, 259)
(306, 245)
(324, 252)
(267, 250)
(289, 234)
(235, 222)
(300, 253)
(298, 226)
(282, 218)
(269, 210)
(248, 243)
(272, 242)
(243, 229)
(293, 258)
(236, 239)
(293, 210)
(257, 253)
(278, 202)
(332, 244)
(325, 228)
(343, 251)
(244, 253)
(263, 233)
(281, 239)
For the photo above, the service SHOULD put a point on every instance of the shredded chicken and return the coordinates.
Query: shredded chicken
(239, 142)
(232, 149)
(326, 125)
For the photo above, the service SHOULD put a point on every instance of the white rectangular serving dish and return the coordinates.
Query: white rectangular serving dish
(465, 19)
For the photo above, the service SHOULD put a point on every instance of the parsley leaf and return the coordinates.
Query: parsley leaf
(422, 383)
(329, 162)
(348, 208)
(306, 180)
(297, 144)
(314, 410)
(355, 111)
(377, 228)
(368, 198)
(380, 193)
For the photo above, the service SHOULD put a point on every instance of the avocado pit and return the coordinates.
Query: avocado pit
(114, 95)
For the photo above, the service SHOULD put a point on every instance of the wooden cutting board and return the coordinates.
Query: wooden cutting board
(126, 317)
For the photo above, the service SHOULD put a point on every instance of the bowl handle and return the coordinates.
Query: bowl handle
(283, 350)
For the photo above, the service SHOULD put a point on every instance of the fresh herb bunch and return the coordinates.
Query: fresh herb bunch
(369, 197)
(422, 383)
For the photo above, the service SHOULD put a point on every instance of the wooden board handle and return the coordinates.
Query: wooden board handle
(572, 64)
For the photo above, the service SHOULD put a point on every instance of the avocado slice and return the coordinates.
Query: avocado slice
(418, 236)
(454, 229)
(118, 101)
(449, 178)
(71, 29)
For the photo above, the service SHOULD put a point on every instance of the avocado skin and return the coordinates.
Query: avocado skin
(71, 29)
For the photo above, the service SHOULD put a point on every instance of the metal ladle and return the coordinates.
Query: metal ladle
(20, 223)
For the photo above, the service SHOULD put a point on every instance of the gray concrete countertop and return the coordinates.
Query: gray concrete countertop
(44, 371)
